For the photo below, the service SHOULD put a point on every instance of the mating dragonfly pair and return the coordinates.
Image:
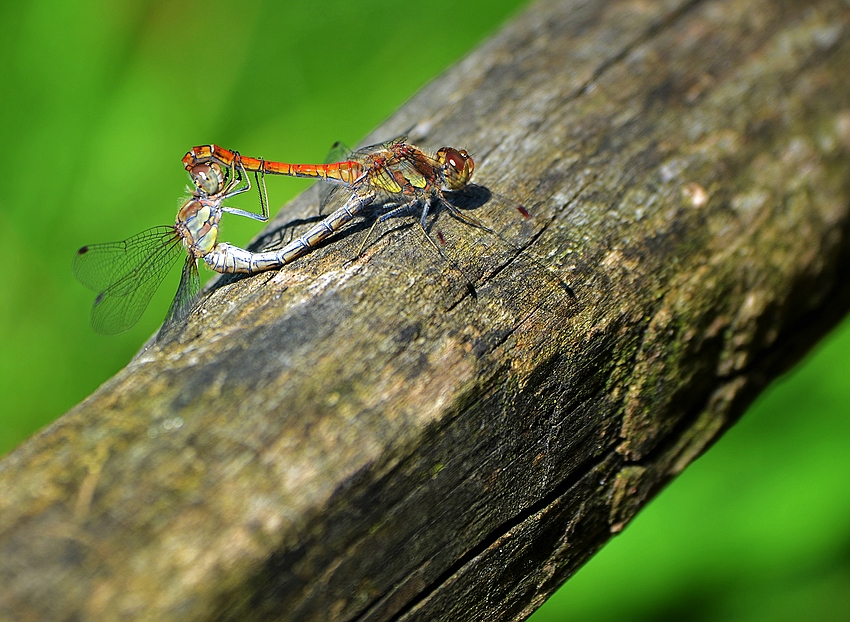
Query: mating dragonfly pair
(395, 174)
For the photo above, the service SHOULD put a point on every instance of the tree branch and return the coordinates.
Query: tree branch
(362, 439)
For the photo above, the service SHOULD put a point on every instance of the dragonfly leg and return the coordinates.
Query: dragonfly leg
(366, 239)
(451, 262)
(233, 188)
(426, 204)
(396, 210)
(236, 175)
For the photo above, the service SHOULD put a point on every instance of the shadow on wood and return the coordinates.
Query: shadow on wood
(361, 439)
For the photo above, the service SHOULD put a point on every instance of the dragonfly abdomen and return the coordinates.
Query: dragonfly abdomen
(229, 259)
(346, 172)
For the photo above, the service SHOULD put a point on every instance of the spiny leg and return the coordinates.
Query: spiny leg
(232, 190)
(407, 208)
(394, 212)
(451, 262)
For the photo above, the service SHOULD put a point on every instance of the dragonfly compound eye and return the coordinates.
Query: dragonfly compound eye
(208, 178)
(457, 166)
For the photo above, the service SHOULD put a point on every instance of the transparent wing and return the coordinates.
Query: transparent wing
(418, 169)
(398, 140)
(332, 196)
(126, 275)
(187, 293)
(364, 152)
(340, 152)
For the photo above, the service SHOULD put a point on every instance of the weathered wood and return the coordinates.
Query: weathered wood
(364, 440)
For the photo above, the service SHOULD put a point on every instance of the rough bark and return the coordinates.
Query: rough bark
(363, 439)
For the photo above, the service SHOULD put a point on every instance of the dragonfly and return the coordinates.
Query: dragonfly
(394, 173)
(126, 274)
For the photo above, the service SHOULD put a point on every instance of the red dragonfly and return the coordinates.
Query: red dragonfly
(395, 172)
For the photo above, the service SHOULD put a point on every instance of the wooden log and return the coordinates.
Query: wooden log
(363, 439)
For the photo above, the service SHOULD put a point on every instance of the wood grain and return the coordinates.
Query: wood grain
(363, 439)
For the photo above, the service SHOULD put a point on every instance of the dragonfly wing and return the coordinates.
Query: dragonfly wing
(98, 266)
(340, 152)
(332, 196)
(187, 292)
(510, 227)
(126, 275)
(398, 140)
(364, 153)
(417, 172)
(381, 178)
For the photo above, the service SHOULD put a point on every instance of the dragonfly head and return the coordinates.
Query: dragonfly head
(208, 178)
(457, 167)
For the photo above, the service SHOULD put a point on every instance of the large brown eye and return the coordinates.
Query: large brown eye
(454, 159)
(470, 163)
(207, 177)
(457, 167)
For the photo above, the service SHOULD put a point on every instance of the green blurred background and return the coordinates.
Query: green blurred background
(99, 101)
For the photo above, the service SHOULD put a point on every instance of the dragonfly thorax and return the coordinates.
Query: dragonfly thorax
(197, 224)
(457, 166)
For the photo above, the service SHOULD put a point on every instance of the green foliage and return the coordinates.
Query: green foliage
(100, 100)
